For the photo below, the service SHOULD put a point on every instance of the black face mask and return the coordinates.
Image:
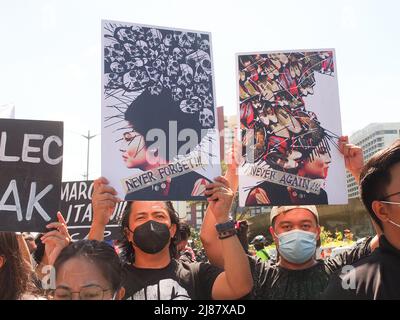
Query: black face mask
(151, 237)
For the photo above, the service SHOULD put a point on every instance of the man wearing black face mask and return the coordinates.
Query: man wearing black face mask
(149, 248)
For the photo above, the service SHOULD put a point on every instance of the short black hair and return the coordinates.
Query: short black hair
(184, 231)
(375, 177)
(100, 253)
(149, 112)
(127, 250)
(38, 254)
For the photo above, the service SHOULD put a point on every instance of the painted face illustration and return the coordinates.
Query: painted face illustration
(133, 149)
(317, 167)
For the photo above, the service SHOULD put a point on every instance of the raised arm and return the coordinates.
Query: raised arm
(353, 157)
(208, 234)
(236, 280)
(103, 203)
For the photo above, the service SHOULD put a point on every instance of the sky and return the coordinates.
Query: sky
(50, 57)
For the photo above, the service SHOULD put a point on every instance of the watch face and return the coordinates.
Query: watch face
(225, 226)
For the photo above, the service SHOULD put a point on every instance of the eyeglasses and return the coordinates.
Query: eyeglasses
(92, 292)
(388, 196)
(391, 202)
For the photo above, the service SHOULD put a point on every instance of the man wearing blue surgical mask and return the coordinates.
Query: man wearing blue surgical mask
(295, 230)
(297, 274)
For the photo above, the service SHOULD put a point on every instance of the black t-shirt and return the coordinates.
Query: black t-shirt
(273, 282)
(376, 277)
(177, 281)
(180, 188)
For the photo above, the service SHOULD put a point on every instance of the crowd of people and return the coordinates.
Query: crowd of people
(153, 260)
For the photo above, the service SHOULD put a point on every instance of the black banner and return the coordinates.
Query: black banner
(76, 207)
(30, 173)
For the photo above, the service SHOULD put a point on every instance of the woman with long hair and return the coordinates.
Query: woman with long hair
(15, 271)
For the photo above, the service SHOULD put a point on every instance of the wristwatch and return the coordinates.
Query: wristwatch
(226, 229)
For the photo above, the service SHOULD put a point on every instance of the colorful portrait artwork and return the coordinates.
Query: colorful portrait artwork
(290, 125)
(158, 112)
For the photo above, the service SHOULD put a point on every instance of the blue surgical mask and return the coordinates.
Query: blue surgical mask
(297, 246)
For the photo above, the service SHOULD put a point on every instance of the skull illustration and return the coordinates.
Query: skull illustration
(124, 34)
(204, 45)
(135, 79)
(156, 89)
(159, 65)
(153, 73)
(176, 35)
(189, 92)
(136, 62)
(177, 54)
(202, 88)
(206, 118)
(168, 39)
(173, 68)
(186, 77)
(117, 67)
(202, 62)
(187, 39)
(200, 75)
(153, 38)
(113, 80)
(190, 106)
(208, 101)
(166, 81)
(153, 54)
(112, 53)
(177, 94)
(163, 52)
(143, 47)
(131, 49)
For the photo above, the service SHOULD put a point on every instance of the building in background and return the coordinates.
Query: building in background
(372, 138)
(221, 127)
(230, 123)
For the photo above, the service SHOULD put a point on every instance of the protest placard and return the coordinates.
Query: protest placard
(290, 124)
(158, 112)
(30, 173)
(76, 207)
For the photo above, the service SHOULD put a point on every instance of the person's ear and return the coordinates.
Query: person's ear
(2, 261)
(172, 230)
(128, 234)
(273, 234)
(120, 294)
(318, 233)
(380, 211)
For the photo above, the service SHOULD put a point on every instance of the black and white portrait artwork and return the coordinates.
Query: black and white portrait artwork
(159, 136)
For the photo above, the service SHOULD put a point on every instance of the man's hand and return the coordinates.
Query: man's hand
(103, 201)
(220, 198)
(353, 157)
(55, 241)
(234, 156)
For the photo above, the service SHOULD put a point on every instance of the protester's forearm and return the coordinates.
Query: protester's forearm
(96, 232)
(356, 175)
(232, 176)
(210, 241)
(236, 266)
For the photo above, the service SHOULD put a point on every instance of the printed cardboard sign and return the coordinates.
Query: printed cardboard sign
(159, 136)
(30, 173)
(290, 124)
(76, 207)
